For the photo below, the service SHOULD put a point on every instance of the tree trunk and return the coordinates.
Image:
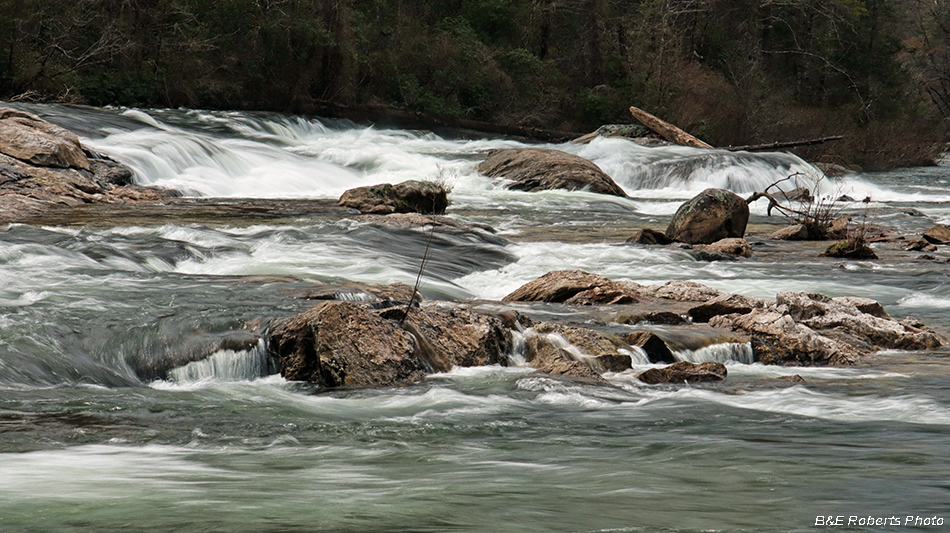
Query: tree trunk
(667, 130)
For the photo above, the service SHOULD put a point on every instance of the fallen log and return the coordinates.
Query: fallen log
(667, 130)
(785, 144)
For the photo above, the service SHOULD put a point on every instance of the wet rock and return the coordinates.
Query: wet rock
(539, 169)
(30, 139)
(344, 344)
(355, 291)
(619, 362)
(655, 347)
(649, 236)
(795, 232)
(685, 291)
(340, 343)
(576, 287)
(460, 337)
(838, 229)
(777, 339)
(729, 247)
(792, 379)
(871, 326)
(712, 215)
(918, 245)
(798, 194)
(939, 234)
(411, 196)
(667, 318)
(685, 372)
(849, 250)
(724, 304)
(546, 354)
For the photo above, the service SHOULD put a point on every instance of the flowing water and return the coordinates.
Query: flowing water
(113, 416)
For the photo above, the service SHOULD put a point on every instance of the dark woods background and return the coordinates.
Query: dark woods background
(731, 72)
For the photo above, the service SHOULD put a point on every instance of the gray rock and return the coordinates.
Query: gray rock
(712, 215)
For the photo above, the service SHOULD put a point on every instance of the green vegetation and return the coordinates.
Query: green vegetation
(733, 72)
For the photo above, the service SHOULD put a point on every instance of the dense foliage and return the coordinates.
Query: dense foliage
(730, 71)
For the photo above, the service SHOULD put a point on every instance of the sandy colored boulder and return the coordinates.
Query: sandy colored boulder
(541, 169)
(33, 140)
(712, 215)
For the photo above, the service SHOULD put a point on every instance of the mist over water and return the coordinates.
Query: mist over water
(120, 409)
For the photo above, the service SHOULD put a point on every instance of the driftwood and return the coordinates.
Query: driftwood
(786, 144)
(667, 130)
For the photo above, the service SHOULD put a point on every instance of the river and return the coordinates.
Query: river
(89, 443)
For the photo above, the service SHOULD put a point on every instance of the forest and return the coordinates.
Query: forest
(732, 72)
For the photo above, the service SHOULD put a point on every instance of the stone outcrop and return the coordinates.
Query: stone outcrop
(685, 372)
(411, 196)
(796, 329)
(712, 215)
(349, 344)
(541, 169)
(30, 139)
(576, 287)
(939, 234)
(43, 167)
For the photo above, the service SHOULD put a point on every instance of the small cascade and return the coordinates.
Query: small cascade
(517, 355)
(638, 168)
(638, 356)
(227, 365)
(727, 352)
(354, 297)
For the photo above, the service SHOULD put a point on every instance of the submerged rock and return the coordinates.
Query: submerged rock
(712, 215)
(540, 169)
(411, 196)
(685, 372)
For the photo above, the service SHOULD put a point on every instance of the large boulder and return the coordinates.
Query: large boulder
(685, 372)
(29, 138)
(541, 169)
(411, 196)
(343, 343)
(576, 287)
(712, 215)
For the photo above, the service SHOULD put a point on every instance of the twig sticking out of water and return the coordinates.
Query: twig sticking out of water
(422, 267)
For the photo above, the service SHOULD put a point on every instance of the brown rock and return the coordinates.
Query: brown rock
(685, 372)
(667, 318)
(460, 337)
(939, 234)
(712, 215)
(795, 232)
(549, 356)
(576, 287)
(918, 245)
(655, 347)
(539, 169)
(31, 139)
(733, 247)
(724, 304)
(649, 236)
(344, 344)
(407, 197)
